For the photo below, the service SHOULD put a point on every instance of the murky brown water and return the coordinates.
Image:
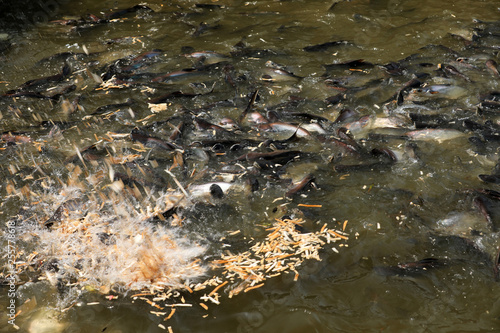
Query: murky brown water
(428, 203)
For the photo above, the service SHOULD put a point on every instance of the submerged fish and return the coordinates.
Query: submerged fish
(413, 268)
(434, 134)
(437, 91)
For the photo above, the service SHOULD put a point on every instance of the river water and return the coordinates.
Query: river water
(422, 224)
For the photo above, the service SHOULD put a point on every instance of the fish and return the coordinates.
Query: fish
(344, 115)
(368, 122)
(482, 207)
(187, 72)
(208, 57)
(202, 124)
(436, 91)
(492, 66)
(141, 60)
(428, 120)
(168, 96)
(123, 12)
(305, 116)
(413, 268)
(216, 190)
(496, 266)
(336, 99)
(489, 102)
(106, 109)
(299, 185)
(228, 124)
(286, 127)
(66, 207)
(249, 107)
(33, 86)
(278, 75)
(434, 134)
(151, 141)
(398, 96)
(269, 160)
(451, 70)
(324, 46)
(204, 27)
(351, 64)
(495, 179)
(209, 6)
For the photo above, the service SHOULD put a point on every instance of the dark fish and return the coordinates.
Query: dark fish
(496, 266)
(492, 66)
(305, 115)
(209, 6)
(225, 144)
(28, 94)
(64, 57)
(105, 109)
(177, 131)
(147, 140)
(489, 102)
(361, 167)
(123, 12)
(205, 125)
(413, 268)
(492, 194)
(131, 180)
(64, 208)
(249, 106)
(394, 68)
(168, 96)
(384, 152)
(216, 191)
(346, 136)
(242, 50)
(336, 99)
(346, 147)
(253, 184)
(280, 144)
(228, 71)
(495, 179)
(56, 92)
(176, 74)
(344, 115)
(141, 60)
(324, 46)
(90, 153)
(31, 84)
(204, 27)
(451, 70)
(352, 64)
(480, 204)
(300, 185)
(398, 96)
(278, 156)
(428, 120)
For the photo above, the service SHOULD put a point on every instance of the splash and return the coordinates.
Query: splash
(107, 240)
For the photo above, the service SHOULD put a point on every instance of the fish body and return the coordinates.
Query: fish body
(434, 134)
